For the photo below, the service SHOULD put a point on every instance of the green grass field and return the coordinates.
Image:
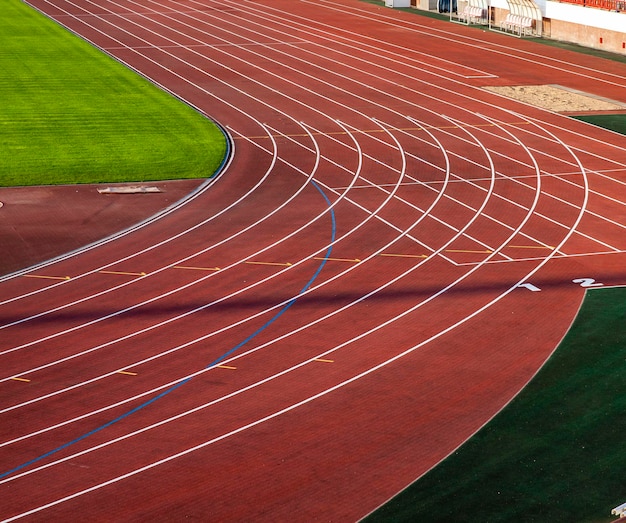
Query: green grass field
(71, 114)
(556, 453)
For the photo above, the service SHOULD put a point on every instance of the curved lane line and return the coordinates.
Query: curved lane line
(581, 165)
(374, 66)
(315, 396)
(213, 364)
(172, 55)
(266, 418)
(243, 354)
(202, 307)
(206, 336)
(376, 52)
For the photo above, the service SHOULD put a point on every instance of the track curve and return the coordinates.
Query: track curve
(363, 288)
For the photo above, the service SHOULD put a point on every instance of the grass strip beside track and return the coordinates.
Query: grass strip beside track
(614, 122)
(72, 114)
(556, 452)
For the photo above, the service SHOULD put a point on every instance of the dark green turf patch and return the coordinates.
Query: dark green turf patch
(556, 452)
(614, 122)
(72, 114)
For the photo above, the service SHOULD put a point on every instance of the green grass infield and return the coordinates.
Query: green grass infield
(556, 452)
(72, 114)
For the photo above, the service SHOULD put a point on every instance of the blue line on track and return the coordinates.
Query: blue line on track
(213, 364)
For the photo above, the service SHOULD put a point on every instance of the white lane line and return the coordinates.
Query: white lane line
(371, 101)
(447, 37)
(249, 351)
(378, 51)
(224, 298)
(304, 401)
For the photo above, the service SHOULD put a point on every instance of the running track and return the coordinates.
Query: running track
(387, 260)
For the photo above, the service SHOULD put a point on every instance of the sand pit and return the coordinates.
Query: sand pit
(558, 99)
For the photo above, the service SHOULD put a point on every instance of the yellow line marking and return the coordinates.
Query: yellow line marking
(269, 263)
(549, 247)
(226, 367)
(406, 255)
(473, 252)
(355, 260)
(46, 277)
(324, 361)
(21, 379)
(197, 268)
(123, 273)
(127, 373)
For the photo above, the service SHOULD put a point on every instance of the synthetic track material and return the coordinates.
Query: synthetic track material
(389, 258)
(41, 223)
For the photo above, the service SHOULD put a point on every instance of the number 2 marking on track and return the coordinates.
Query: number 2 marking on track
(587, 282)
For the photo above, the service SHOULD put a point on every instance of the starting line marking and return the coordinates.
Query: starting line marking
(21, 379)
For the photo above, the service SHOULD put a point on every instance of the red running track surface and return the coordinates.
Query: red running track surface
(390, 256)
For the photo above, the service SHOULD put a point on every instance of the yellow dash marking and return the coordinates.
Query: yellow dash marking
(473, 252)
(124, 273)
(269, 263)
(406, 255)
(46, 277)
(226, 367)
(549, 247)
(324, 361)
(21, 379)
(356, 260)
(197, 268)
(127, 373)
